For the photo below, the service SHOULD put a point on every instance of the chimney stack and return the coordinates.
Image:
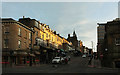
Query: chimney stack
(68, 35)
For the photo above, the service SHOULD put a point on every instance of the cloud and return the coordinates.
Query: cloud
(65, 17)
(85, 30)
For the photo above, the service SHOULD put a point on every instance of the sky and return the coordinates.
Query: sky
(65, 17)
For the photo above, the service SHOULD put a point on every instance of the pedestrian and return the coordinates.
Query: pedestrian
(66, 61)
(89, 63)
(69, 58)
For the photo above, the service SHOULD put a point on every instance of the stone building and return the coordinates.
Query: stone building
(100, 36)
(16, 41)
(28, 42)
(111, 52)
(73, 39)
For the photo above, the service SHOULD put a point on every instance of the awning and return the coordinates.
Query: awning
(62, 50)
(32, 55)
(36, 52)
(20, 54)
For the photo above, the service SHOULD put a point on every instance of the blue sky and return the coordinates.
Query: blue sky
(65, 17)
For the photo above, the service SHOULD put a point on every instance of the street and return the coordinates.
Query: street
(76, 65)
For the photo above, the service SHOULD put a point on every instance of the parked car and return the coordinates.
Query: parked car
(84, 56)
(57, 60)
(76, 53)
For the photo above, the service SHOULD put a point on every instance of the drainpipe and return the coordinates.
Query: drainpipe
(31, 51)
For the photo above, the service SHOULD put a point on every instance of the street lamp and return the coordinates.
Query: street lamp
(106, 49)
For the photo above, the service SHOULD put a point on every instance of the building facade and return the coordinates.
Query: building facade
(16, 42)
(73, 40)
(100, 36)
(111, 52)
(29, 41)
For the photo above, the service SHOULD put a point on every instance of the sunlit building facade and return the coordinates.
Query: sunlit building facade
(29, 39)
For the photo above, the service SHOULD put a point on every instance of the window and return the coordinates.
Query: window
(36, 33)
(30, 36)
(40, 35)
(43, 36)
(47, 35)
(30, 46)
(6, 30)
(52, 38)
(25, 34)
(117, 41)
(36, 23)
(19, 31)
(57, 38)
(19, 44)
(36, 41)
(42, 28)
(6, 43)
(39, 26)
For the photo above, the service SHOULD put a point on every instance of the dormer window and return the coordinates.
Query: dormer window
(36, 23)
(39, 26)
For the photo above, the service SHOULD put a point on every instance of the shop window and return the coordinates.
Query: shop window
(5, 59)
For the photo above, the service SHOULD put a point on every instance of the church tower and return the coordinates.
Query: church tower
(73, 39)
(74, 35)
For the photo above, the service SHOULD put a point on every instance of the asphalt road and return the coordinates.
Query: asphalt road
(76, 65)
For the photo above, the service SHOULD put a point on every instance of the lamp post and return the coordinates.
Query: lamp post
(93, 54)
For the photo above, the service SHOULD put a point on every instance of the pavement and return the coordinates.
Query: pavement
(95, 63)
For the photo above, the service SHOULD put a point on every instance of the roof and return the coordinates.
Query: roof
(8, 19)
(117, 20)
(14, 21)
